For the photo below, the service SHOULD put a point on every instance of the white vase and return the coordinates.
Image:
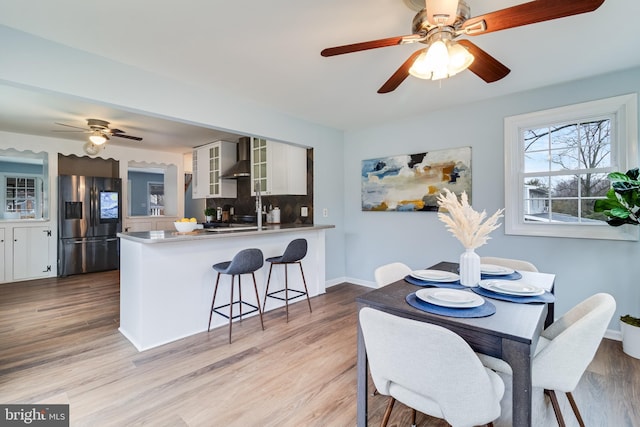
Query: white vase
(469, 268)
(630, 339)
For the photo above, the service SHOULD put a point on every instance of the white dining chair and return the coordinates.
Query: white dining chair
(565, 349)
(430, 369)
(390, 273)
(515, 264)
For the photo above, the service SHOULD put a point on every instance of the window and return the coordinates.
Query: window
(557, 163)
(155, 193)
(22, 195)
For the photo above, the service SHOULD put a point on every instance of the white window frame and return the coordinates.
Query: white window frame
(624, 156)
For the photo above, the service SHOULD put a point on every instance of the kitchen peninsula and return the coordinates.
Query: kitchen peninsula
(166, 279)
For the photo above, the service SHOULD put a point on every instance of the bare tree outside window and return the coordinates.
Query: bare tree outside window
(565, 170)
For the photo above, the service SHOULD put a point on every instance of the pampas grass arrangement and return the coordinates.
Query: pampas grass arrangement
(463, 222)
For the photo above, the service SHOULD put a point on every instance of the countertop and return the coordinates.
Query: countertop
(239, 230)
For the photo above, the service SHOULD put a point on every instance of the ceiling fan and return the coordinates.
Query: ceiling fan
(99, 128)
(439, 22)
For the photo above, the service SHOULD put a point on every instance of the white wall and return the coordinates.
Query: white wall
(35, 63)
(582, 266)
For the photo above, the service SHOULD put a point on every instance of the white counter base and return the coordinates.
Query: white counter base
(166, 289)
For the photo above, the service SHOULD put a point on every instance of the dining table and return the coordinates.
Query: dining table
(511, 333)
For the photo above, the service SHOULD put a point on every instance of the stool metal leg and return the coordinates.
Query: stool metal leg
(215, 291)
(266, 292)
(286, 291)
(233, 277)
(255, 286)
(286, 287)
(306, 291)
(240, 293)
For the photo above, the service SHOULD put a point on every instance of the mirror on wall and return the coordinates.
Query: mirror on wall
(24, 185)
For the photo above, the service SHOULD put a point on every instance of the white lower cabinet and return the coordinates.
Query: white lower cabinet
(31, 252)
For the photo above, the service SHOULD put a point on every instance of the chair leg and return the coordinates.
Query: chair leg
(286, 291)
(264, 303)
(413, 417)
(387, 412)
(305, 286)
(575, 409)
(255, 286)
(231, 307)
(213, 300)
(556, 406)
(240, 294)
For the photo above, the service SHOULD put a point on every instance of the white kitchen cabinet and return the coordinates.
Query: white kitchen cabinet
(2, 274)
(31, 252)
(278, 168)
(209, 162)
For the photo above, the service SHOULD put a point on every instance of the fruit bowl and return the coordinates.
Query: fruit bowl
(185, 227)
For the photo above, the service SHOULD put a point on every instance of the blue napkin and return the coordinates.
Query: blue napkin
(486, 309)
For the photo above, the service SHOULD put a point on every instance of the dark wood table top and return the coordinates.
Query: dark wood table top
(512, 321)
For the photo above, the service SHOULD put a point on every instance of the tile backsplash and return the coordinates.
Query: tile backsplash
(290, 206)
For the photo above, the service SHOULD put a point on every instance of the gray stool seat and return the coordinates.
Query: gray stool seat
(246, 261)
(293, 254)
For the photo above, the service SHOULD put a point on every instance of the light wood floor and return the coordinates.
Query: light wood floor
(59, 343)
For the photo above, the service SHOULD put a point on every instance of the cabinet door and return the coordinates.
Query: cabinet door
(259, 156)
(279, 169)
(31, 252)
(2, 275)
(209, 162)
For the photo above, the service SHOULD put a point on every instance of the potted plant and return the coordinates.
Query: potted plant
(622, 206)
(209, 213)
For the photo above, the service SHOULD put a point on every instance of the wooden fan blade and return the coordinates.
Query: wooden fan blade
(401, 73)
(356, 47)
(484, 65)
(121, 135)
(69, 126)
(530, 13)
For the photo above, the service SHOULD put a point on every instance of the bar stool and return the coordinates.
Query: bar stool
(244, 262)
(295, 251)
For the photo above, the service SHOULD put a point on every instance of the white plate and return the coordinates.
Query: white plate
(435, 275)
(509, 287)
(453, 298)
(495, 270)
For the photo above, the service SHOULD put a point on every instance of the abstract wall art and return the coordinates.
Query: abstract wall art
(412, 182)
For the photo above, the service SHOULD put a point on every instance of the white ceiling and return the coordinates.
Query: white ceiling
(269, 52)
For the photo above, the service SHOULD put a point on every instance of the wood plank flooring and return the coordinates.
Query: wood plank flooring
(59, 343)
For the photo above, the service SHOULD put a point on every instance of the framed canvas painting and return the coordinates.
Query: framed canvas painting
(411, 182)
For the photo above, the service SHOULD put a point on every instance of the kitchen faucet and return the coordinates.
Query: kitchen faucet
(258, 204)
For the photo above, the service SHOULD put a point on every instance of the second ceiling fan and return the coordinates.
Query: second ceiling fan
(439, 22)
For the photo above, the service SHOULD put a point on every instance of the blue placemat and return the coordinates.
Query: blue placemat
(513, 276)
(486, 309)
(419, 282)
(456, 284)
(547, 297)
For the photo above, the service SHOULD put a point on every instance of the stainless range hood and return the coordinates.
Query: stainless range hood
(243, 167)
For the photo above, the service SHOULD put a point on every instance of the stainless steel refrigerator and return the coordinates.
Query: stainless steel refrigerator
(89, 217)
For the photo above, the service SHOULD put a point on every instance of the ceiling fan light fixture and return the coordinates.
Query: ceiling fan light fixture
(97, 138)
(443, 58)
(459, 58)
